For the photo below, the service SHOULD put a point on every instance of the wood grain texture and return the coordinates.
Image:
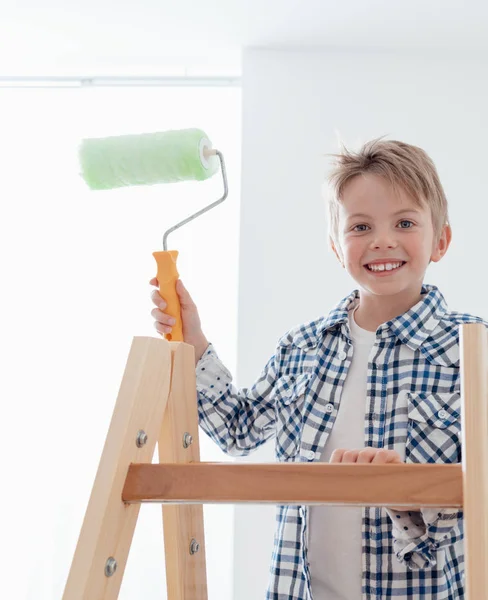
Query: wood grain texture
(186, 575)
(108, 525)
(389, 485)
(474, 419)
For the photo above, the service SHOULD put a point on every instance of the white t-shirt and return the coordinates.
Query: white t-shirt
(334, 548)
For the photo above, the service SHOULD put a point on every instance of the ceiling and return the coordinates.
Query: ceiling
(159, 37)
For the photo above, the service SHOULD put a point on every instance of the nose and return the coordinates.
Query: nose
(383, 239)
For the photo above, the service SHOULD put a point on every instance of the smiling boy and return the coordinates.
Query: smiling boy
(386, 238)
(375, 380)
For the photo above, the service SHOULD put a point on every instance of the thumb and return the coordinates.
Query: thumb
(184, 295)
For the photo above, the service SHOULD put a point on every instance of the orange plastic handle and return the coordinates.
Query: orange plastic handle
(167, 277)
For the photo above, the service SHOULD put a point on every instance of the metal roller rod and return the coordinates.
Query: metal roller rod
(207, 208)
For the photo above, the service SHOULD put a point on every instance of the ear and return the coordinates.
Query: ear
(442, 244)
(335, 250)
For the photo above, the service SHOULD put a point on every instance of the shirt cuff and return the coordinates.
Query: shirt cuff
(411, 543)
(213, 379)
(418, 535)
(416, 554)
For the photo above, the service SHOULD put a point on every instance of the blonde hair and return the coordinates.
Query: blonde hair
(404, 166)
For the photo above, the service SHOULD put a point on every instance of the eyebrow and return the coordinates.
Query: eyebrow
(400, 212)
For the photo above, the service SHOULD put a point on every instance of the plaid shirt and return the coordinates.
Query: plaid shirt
(412, 406)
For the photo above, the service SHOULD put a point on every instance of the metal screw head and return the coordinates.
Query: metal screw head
(110, 566)
(187, 439)
(194, 546)
(141, 438)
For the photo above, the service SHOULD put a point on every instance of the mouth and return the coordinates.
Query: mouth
(384, 268)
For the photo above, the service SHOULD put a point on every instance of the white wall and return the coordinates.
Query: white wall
(293, 104)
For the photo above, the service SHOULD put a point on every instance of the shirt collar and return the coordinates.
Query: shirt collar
(415, 326)
(412, 328)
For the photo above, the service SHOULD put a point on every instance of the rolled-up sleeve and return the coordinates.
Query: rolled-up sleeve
(419, 535)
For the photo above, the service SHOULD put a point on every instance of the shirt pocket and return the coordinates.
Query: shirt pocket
(434, 428)
(289, 394)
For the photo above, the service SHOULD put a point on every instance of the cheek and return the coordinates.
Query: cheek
(354, 249)
(419, 247)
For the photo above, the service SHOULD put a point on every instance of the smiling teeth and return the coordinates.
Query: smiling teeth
(385, 266)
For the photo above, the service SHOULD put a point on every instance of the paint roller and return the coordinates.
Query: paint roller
(149, 159)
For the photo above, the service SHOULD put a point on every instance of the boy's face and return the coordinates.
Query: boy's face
(379, 227)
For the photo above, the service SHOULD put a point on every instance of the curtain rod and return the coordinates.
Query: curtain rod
(126, 81)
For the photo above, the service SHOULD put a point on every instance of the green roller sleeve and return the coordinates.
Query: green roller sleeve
(146, 159)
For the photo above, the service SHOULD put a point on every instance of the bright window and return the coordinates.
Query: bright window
(75, 271)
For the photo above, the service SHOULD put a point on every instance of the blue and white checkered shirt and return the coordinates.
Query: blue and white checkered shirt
(412, 406)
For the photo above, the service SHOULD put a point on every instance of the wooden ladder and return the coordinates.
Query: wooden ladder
(157, 404)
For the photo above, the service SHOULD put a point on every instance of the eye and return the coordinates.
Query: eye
(362, 225)
(405, 224)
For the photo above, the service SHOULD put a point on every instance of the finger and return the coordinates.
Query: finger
(392, 456)
(380, 457)
(154, 281)
(336, 456)
(384, 456)
(157, 300)
(350, 456)
(184, 295)
(160, 328)
(366, 455)
(162, 317)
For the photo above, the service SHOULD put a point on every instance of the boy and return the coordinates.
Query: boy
(376, 380)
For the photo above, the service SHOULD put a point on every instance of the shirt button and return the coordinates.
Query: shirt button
(310, 455)
(329, 408)
(442, 414)
(342, 355)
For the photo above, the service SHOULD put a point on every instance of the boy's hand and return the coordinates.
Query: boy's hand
(192, 329)
(377, 456)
